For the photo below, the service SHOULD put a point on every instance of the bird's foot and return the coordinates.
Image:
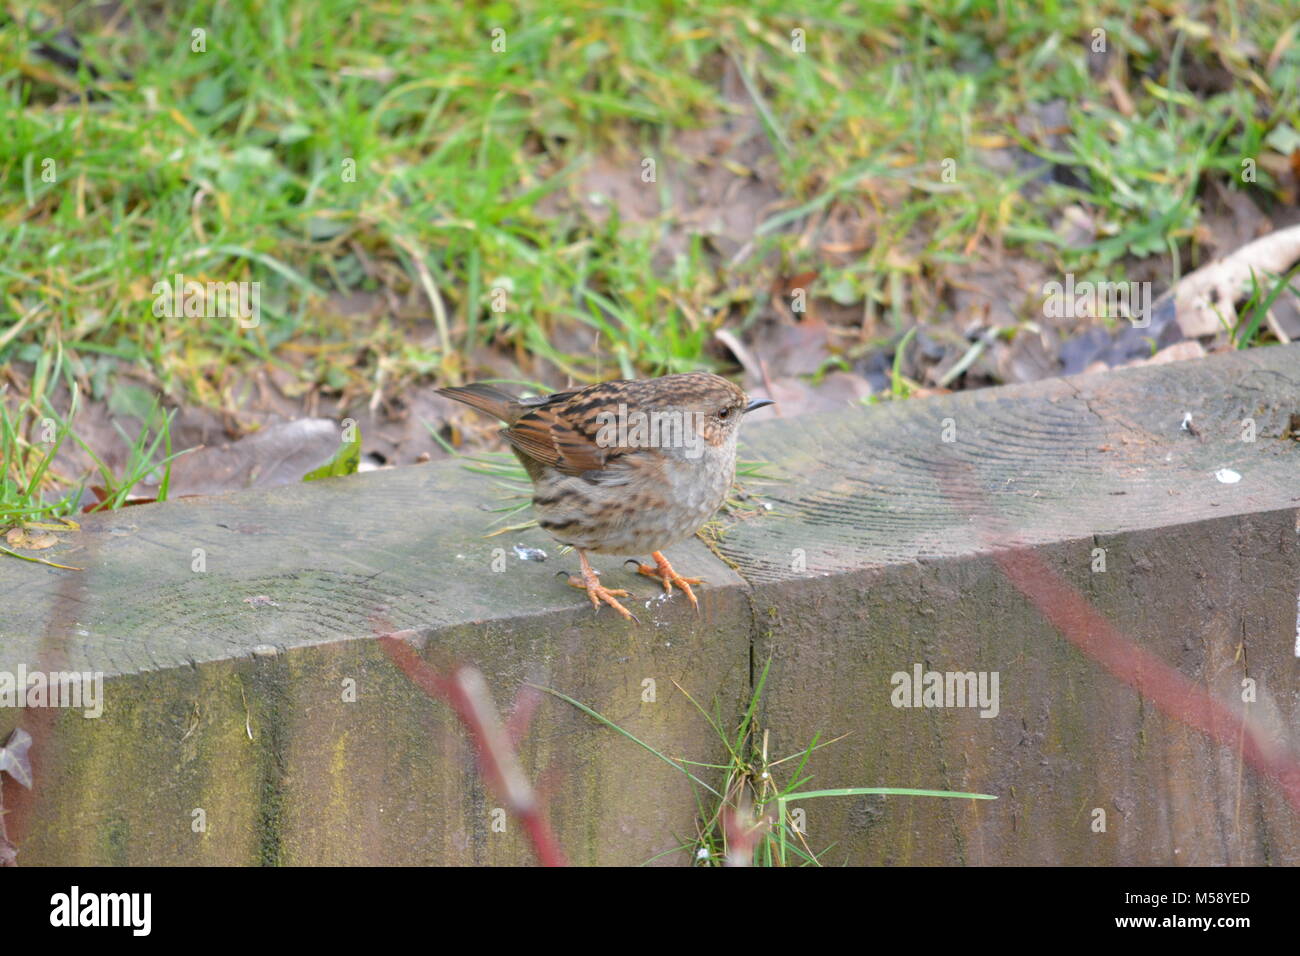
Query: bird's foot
(664, 572)
(589, 581)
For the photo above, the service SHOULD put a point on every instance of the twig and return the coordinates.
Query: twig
(1070, 613)
(466, 692)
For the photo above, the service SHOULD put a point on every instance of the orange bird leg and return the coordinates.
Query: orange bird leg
(665, 573)
(590, 582)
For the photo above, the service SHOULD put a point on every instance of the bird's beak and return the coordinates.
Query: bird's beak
(758, 403)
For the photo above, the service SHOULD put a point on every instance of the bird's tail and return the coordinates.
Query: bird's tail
(486, 398)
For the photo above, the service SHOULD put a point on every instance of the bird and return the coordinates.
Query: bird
(631, 466)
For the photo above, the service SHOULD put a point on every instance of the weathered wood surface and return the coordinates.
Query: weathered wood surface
(881, 552)
(892, 523)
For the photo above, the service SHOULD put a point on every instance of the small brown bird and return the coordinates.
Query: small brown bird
(624, 467)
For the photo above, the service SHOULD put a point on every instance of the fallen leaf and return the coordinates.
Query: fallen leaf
(14, 759)
(278, 454)
(101, 495)
(1178, 352)
(28, 540)
(788, 347)
(344, 462)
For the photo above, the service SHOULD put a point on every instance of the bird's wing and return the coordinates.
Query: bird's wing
(547, 438)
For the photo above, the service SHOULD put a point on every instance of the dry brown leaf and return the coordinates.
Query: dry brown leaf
(30, 540)
(1178, 352)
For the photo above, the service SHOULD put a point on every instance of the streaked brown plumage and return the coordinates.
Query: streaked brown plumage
(603, 483)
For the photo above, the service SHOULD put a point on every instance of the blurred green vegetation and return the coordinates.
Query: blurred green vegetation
(232, 164)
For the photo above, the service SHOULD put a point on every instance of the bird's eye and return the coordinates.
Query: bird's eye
(724, 413)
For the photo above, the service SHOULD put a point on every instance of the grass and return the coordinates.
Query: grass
(389, 152)
(29, 453)
(1247, 330)
(746, 820)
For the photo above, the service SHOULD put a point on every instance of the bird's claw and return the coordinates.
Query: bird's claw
(599, 593)
(663, 571)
